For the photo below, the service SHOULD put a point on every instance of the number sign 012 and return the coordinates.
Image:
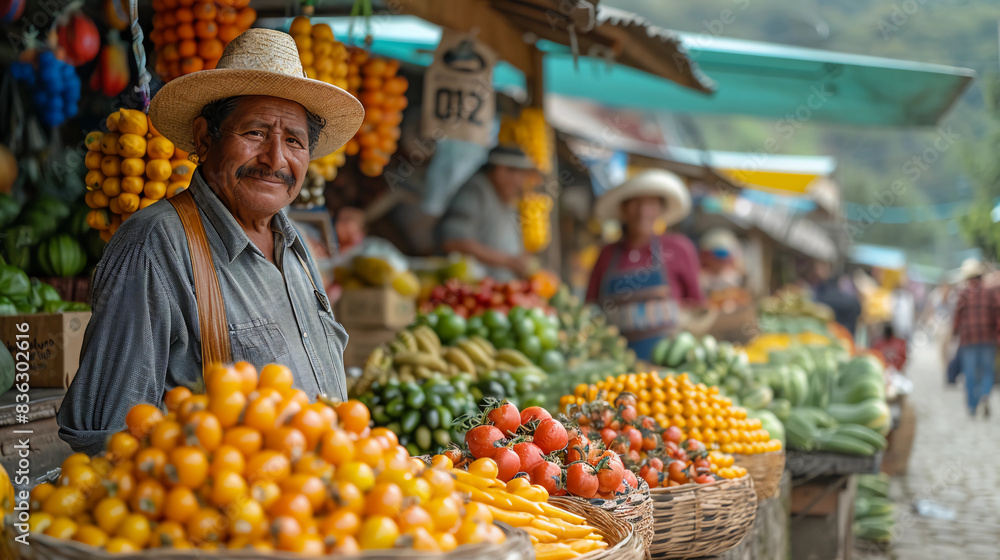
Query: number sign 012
(459, 100)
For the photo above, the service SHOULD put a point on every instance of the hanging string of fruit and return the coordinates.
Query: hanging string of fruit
(111, 75)
(374, 81)
(534, 211)
(190, 36)
(532, 134)
(324, 59)
(130, 167)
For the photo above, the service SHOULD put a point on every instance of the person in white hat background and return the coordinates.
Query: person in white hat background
(254, 123)
(721, 259)
(976, 321)
(482, 219)
(642, 280)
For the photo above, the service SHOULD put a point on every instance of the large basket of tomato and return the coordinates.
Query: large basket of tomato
(697, 520)
(634, 506)
(624, 543)
(766, 470)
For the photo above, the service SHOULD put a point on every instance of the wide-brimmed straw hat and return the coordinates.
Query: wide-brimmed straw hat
(971, 268)
(654, 182)
(257, 62)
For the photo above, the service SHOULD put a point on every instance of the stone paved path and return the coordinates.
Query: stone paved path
(956, 463)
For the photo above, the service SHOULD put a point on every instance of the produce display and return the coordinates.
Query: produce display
(111, 75)
(874, 512)
(534, 211)
(554, 532)
(130, 166)
(470, 300)
(374, 81)
(77, 38)
(253, 464)
(376, 271)
(55, 87)
(697, 411)
(189, 37)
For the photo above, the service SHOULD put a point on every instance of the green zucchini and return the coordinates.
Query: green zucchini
(679, 349)
(843, 443)
(863, 433)
(801, 434)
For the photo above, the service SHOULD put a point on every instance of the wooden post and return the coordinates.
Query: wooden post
(551, 257)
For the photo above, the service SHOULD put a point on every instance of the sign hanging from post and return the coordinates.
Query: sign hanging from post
(459, 100)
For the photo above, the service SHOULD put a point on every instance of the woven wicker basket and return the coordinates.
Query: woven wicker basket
(623, 542)
(765, 469)
(516, 547)
(636, 507)
(696, 520)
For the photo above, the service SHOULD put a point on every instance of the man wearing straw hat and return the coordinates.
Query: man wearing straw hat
(218, 273)
(975, 323)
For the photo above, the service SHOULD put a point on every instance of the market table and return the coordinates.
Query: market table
(38, 426)
(769, 536)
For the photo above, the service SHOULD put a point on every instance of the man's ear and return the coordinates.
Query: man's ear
(202, 138)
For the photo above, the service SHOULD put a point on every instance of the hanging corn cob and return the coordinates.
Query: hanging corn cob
(534, 210)
(535, 138)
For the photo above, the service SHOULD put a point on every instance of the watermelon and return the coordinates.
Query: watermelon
(62, 256)
(42, 222)
(9, 209)
(18, 242)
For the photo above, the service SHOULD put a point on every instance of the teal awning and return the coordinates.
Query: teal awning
(790, 84)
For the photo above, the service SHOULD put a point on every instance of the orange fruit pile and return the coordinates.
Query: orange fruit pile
(189, 36)
(130, 167)
(374, 81)
(252, 464)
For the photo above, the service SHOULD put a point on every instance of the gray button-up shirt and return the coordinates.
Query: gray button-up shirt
(478, 213)
(144, 340)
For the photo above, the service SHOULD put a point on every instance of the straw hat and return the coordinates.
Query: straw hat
(258, 62)
(971, 268)
(654, 182)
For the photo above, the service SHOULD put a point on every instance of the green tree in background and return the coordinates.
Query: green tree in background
(983, 168)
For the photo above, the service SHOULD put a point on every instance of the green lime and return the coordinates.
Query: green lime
(503, 341)
(474, 323)
(549, 338)
(450, 327)
(496, 321)
(530, 346)
(524, 328)
(552, 361)
(538, 315)
(517, 313)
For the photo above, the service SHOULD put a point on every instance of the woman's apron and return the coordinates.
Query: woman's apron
(638, 300)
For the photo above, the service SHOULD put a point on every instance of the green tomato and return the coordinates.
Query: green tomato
(549, 338)
(524, 328)
(451, 327)
(530, 346)
(496, 321)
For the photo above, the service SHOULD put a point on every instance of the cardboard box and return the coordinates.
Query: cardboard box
(54, 344)
(362, 342)
(375, 308)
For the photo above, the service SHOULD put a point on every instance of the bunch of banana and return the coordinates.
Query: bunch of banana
(417, 354)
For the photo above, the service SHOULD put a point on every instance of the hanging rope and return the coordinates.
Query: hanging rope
(361, 8)
(140, 56)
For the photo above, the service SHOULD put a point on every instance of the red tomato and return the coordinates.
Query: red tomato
(577, 449)
(534, 413)
(506, 418)
(508, 463)
(675, 471)
(652, 478)
(673, 435)
(530, 455)
(550, 435)
(548, 475)
(480, 441)
(648, 441)
(634, 439)
(581, 480)
(610, 472)
(630, 479)
(628, 413)
(656, 463)
(693, 447)
(625, 399)
(608, 436)
(704, 479)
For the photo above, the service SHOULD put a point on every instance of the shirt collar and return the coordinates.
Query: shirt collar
(233, 237)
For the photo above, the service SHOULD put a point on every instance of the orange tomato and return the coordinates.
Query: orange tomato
(205, 11)
(122, 446)
(336, 447)
(378, 532)
(268, 465)
(227, 488)
(275, 376)
(190, 65)
(248, 377)
(149, 463)
(180, 504)
(261, 414)
(148, 499)
(205, 428)
(120, 483)
(311, 464)
(228, 407)
(386, 498)
(193, 404)
(249, 520)
(109, 513)
(207, 526)
(311, 424)
(188, 467)
(227, 458)
(296, 506)
(347, 496)
(353, 416)
(142, 418)
(135, 529)
(265, 492)
(167, 533)
(286, 439)
(166, 435)
(245, 439)
(176, 396)
(287, 532)
(415, 517)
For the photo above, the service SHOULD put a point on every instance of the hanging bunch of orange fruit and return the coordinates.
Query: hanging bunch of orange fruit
(374, 81)
(324, 59)
(252, 464)
(532, 134)
(129, 167)
(190, 36)
(534, 211)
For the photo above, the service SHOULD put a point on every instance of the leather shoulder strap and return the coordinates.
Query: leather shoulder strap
(215, 346)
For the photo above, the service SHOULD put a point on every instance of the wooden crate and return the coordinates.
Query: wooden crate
(822, 523)
(44, 448)
(897, 454)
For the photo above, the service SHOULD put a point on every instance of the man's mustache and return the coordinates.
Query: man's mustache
(247, 170)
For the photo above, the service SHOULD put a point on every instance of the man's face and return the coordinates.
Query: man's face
(511, 182)
(260, 161)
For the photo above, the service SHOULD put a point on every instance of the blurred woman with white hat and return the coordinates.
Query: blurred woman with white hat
(642, 280)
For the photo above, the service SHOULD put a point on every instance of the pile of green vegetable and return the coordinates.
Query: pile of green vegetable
(423, 414)
(874, 513)
(705, 361)
(20, 295)
(48, 238)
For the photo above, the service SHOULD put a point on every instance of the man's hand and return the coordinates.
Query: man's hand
(523, 265)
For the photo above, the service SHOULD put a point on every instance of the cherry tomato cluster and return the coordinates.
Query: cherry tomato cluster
(533, 443)
(471, 300)
(661, 457)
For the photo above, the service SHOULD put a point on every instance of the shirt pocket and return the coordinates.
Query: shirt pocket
(336, 337)
(259, 343)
